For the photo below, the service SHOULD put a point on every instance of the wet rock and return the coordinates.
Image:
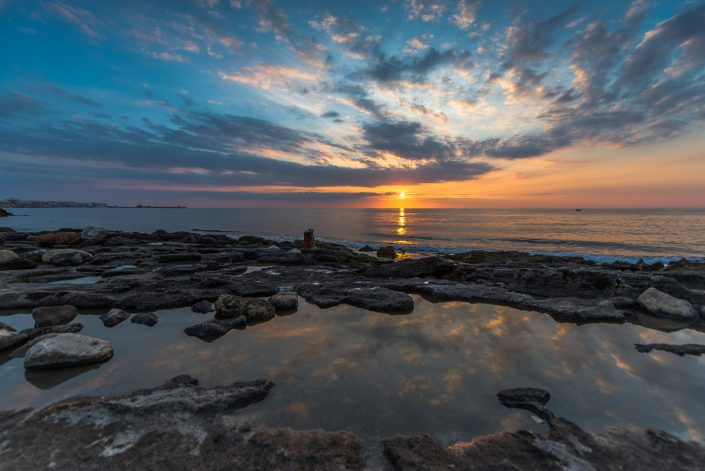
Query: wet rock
(59, 238)
(118, 241)
(680, 350)
(531, 399)
(203, 307)
(228, 306)
(4, 213)
(65, 257)
(386, 252)
(20, 352)
(285, 302)
(145, 318)
(177, 426)
(65, 350)
(259, 310)
(372, 298)
(94, 233)
(366, 248)
(9, 260)
(179, 257)
(72, 328)
(209, 330)
(53, 315)
(566, 446)
(420, 267)
(9, 337)
(660, 304)
(114, 317)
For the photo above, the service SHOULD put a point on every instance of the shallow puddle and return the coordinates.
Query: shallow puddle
(434, 371)
(84, 280)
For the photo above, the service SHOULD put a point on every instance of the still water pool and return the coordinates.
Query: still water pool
(435, 371)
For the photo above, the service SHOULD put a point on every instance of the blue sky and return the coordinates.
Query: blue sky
(209, 102)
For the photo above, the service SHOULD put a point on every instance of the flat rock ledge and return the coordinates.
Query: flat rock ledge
(680, 350)
(139, 272)
(181, 426)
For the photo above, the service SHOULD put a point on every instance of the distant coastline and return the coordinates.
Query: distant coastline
(18, 203)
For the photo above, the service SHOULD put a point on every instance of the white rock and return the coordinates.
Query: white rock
(66, 350)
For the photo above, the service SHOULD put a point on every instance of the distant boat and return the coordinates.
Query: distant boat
(579, 209)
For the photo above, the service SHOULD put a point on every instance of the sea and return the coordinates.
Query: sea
(603, 235)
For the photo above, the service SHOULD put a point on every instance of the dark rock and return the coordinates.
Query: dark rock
(209, 330)
(228, 306)
(9, 337)
(9, 260)
(531, 399)
(59, 238)
(372, 298)
(4, 213)
(198, 426)
(366, 248)
(114, 317)
(203, 307)
(285, 302)
(566, 446)
(72, 328)
(420, 267)
(53, 315)
(117, 241)
(179, 257)
(65, 257)
(145, 318)
(680, 350)
(259, 310)
(64, 350)
(386, 252)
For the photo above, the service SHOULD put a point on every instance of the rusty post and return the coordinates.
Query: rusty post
(309, 240)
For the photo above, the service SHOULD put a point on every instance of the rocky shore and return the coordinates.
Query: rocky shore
(182, 426)
(239, 283)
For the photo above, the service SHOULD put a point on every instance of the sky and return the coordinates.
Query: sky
(388, 103)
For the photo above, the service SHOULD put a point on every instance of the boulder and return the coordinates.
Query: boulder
(209, 330)
(255, 310)
(660, 304)
(284, 302)
(94, 233)
(59, 238)
(259, 310)
(65, 257)
(366, 248)
(145, 318)
(22, 351)
(9, 260)
(386, 252)
(4, 213)
(203, 307)
(64, 350)
(53, 315)
(229, 306)
(113, 317)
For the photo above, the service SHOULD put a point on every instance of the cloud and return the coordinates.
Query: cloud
(416, 68)
(217, 144)
(425, 10)
(466, 16)
(330, 114)
(14, 104)
(82, 19)
(405, 139)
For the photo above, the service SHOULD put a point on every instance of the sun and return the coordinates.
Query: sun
(402, 195)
